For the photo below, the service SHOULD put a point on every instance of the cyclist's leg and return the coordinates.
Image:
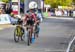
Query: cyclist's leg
(31, 33)
(37, 30)
(22, 32)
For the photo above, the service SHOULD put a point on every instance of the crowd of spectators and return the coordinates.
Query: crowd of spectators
(61, 12)
(6, 9)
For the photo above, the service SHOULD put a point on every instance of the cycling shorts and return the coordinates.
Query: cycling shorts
(30, 22)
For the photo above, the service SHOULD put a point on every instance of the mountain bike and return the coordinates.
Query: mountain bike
(18, 33)
(29, 34)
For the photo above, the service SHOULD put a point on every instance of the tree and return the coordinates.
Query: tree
(55, 3)
(6, 1)
(73, 2)
(22, 1)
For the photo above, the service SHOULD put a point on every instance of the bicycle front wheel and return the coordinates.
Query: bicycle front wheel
(17, 34)
(28, 38)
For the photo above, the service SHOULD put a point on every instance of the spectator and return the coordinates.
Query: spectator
(8, 10)
(1, 11)
(52, 11)
(65, 12)
(69, 12)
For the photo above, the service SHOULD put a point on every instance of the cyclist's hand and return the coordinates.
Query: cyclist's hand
(35, 24)
(38, 21)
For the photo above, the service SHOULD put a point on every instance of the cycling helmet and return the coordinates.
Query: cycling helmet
(32, 5)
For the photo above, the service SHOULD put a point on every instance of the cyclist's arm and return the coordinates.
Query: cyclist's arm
(34, 17)
(24, 20)
(26, 17)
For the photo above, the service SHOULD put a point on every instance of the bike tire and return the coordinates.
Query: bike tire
(17, 33)
(71, 46)
(28, 38)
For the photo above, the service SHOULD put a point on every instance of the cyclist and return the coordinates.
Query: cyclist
(30, 19)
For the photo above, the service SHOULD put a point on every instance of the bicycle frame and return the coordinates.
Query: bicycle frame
(30, 29)
(29, 33)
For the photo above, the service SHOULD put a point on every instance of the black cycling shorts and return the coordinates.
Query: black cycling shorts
(30, 22)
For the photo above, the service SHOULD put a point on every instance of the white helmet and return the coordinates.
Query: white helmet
(32, 5)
